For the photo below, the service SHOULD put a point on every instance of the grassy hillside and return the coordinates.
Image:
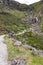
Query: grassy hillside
(11, 19)
(21, 52)
(15, 20)
(38, 5)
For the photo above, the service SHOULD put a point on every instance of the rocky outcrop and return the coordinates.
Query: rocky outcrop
(34, 50)
(37, 52)
(17, 43)
(18, 61)
(28, 47)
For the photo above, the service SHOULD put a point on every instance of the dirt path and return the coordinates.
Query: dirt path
(3, 52)
(34, 28)
(24, 31)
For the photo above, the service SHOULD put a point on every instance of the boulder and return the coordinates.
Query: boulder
(34, 50)
(12, 34)
(37, 52)
(18, 61)
(40, 52)
(28, 47)
(17, 43)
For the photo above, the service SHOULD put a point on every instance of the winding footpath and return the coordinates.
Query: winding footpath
(34, 29)
(3, 52)
(24, 31)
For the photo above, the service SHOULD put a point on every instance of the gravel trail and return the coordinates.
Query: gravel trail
(3, 52)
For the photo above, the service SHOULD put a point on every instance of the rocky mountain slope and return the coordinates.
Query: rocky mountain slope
(23, 25)
(13, 20)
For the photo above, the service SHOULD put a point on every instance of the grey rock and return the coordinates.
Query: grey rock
(17, 43)
(28, 47)
(14, 62)
(34, 50)
(37, 52)
(18, 61)
(40, 52)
